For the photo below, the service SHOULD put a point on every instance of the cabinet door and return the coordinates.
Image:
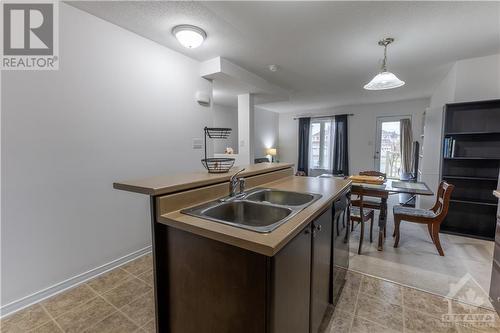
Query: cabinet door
(321, 257)
(340, 246)
(290, 282)
(495, 272)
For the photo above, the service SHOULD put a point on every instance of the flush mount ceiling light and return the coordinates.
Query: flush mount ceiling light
(189, 36)
(384, 79)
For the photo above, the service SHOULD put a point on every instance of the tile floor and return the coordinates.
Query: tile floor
(416, 262)
(121, 301)
(369, 304)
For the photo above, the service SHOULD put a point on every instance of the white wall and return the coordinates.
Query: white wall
(362, 128)
(120, 107)
(468, 80)
(266, 131)
(266, 128)
(226, 116)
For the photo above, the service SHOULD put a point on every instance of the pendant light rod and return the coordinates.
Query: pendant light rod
(385, 42)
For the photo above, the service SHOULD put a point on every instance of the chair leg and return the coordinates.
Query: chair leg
(371, 229)
(397, 222)
(435, 234)
(352, 226)
(429, 227)
(361, 235)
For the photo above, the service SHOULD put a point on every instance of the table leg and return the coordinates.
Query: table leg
(382, 220)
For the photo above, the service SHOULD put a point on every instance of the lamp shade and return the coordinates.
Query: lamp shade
(384, 80)
(271, 151)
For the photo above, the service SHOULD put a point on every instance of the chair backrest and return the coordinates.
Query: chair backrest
(373, 173)
(261, 160)
(443, 200)
(358, 202)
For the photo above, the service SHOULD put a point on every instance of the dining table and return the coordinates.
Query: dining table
(382, 191)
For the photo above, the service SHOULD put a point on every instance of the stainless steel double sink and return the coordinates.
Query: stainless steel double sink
(261, 210)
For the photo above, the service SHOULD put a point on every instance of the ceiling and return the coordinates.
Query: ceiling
(326, 51)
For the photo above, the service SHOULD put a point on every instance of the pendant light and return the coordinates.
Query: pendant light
(384, 79)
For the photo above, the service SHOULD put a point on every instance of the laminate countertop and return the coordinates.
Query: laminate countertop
(265, 243)
(185, 181)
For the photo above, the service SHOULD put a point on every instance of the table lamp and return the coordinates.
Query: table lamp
(272, 152)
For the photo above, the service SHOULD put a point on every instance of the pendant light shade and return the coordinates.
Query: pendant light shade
(384, 79)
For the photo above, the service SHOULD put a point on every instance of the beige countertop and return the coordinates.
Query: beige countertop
(179, 182)
(270, 243)
(497, 193)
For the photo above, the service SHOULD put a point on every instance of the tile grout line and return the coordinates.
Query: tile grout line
(403, 307)
(356, 303)
(419, 289)
(52, 317)
(118, 310)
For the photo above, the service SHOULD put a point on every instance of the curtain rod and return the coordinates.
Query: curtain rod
(326, 116)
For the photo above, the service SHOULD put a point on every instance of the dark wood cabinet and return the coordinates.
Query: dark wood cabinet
(495, 271)
(216, 287)
(320, 273)
(290, 280)
(340, 246)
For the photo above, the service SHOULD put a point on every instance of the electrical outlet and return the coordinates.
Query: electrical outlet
(197, 143)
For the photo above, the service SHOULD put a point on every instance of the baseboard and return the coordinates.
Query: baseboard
(69, 283)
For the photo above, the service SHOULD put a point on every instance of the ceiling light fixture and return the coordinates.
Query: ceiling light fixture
(384, 79)
(273, 68)
(189, 36)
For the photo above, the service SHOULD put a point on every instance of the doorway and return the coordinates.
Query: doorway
(388, 145)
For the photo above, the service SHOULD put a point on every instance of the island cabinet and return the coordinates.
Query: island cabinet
(216, 287)
(215, 278)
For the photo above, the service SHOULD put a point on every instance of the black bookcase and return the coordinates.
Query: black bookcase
(470, 161)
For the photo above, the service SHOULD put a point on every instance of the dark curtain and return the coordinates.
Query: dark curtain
(303, 162)
(340, 147)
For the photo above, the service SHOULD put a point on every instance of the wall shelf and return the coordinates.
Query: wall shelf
(471, 178)
(473, 202)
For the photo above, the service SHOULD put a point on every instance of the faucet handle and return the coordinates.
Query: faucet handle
(236, 174)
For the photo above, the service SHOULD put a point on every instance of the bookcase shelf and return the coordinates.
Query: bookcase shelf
(472, 164)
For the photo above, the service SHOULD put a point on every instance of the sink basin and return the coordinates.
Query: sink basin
(261, 210)
(244, 214)
(283, 198)
(248, 213)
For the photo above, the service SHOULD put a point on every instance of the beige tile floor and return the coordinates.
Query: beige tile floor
(416, 263)
(121, 301)
(369, 304)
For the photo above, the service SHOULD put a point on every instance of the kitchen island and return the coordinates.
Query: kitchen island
(215, 277)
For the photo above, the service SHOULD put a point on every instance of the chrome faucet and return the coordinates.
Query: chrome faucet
(233, 183)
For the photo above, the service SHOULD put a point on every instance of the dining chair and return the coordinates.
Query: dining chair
(432, 217)
(361, 215)
(373, 202)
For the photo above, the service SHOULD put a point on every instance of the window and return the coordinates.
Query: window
(321, 145)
